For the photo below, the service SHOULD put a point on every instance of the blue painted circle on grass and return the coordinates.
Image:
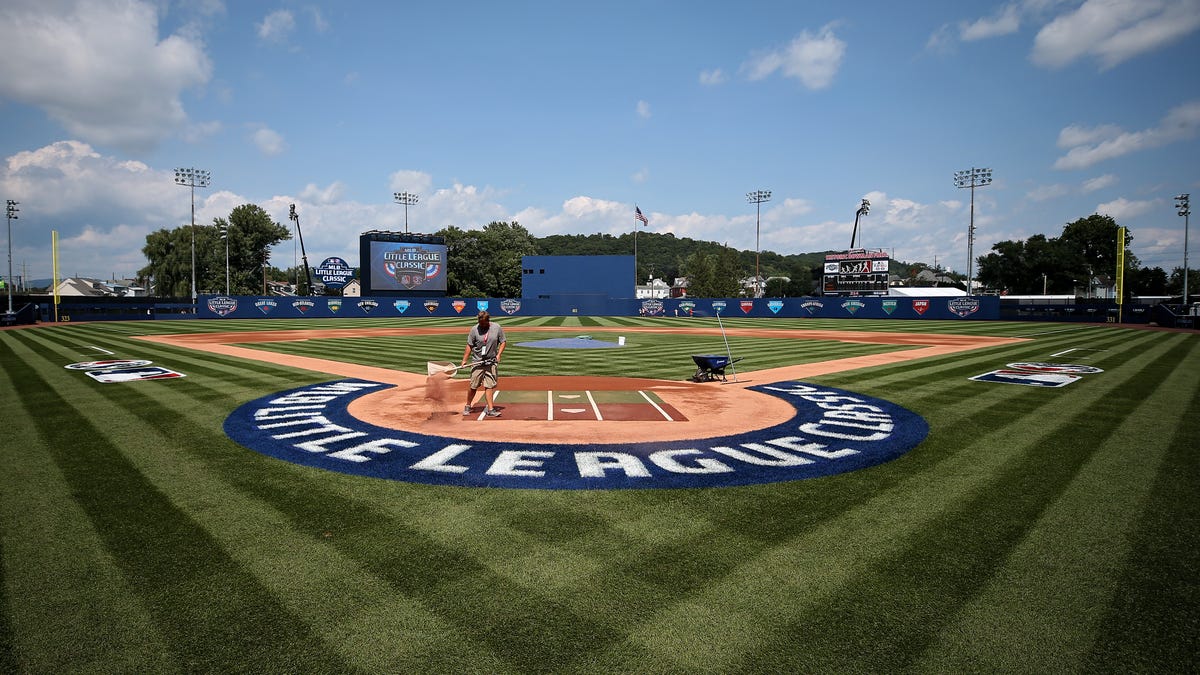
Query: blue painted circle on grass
(832, 431)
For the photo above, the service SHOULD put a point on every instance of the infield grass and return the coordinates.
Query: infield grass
(1034, 530)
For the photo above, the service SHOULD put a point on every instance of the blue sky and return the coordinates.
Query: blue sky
(563, 115)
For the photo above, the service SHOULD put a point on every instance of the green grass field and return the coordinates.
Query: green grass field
(1034, 530)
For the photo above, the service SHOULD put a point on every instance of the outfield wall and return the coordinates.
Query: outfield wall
(985, 308)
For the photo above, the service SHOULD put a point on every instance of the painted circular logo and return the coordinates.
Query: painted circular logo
(832, 431)
(1071, 368)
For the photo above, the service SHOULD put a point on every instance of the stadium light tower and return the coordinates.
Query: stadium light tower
(407, 199)
(971, 178)
(193, 178)
(757, 198)
(1182, 203)
(863, 210)
(12, 215)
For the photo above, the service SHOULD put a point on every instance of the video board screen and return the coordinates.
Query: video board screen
(407, 266)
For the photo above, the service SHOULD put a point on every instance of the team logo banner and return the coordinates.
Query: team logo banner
(920, 306)
(775, 306)
(303, 305)
(401, 306)
(746, 306)
(431, 306)
(459, 305)
(334, 305)
(510, 306)
(718, 306)
(853, 306)
(963, 307)
(687, 306)
(889, 306)
(481, 305)
(265, 305)
(367, 305)
(652, 307)
(222, 305)
(831, 431)
(812, 306)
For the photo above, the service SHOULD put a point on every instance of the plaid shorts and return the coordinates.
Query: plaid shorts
(484, 376)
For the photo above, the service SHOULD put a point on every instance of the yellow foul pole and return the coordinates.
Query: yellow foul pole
(54, 256)
(1120, 273)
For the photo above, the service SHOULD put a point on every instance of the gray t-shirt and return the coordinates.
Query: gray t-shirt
(485, 345)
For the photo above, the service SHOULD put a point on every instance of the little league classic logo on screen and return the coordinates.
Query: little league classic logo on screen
(831, 432)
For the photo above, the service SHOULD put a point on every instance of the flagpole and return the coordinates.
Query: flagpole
(635, 274)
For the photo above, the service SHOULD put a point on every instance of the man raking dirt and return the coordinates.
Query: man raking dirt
(485, 341)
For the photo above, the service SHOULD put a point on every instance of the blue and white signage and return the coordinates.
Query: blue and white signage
(831, 432)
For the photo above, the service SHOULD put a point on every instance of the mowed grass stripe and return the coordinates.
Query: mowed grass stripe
(1037, 597)
(328, 592)
(762, 604)
(210, 612)
(957, 554)
(443, 573)
(212, 378)
(1154, 617)
(70, 608)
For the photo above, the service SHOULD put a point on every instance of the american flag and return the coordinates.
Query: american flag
(637, 213)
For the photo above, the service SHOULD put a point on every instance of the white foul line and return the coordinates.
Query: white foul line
(99, 349)
(660, 410)
(595, 408)
(549, 405)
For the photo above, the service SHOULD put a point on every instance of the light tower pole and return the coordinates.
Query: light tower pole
(1182, 203)
(757, 198)
(863, 210)
(193, 178)
(971, 178)
(407, 199)
(12, 215)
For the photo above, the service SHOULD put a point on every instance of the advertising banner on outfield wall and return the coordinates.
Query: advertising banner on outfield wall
(985, 308)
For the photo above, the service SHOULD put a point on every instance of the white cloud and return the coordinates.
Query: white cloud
(1124, 208)
(641, 175)
(1097, 144)
(712, 77)
(330, 194)
(1006, 21)
(1099, 182)
(814, 59)
(269, 141)
(99, 68)
(194, 133)
(417, 182)
(643, 110)
(1114, 31)
(319, 22)
(277, 26)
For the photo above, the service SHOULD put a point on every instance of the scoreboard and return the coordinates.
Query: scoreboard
(857, 272)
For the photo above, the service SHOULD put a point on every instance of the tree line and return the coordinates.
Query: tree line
(486, 262)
